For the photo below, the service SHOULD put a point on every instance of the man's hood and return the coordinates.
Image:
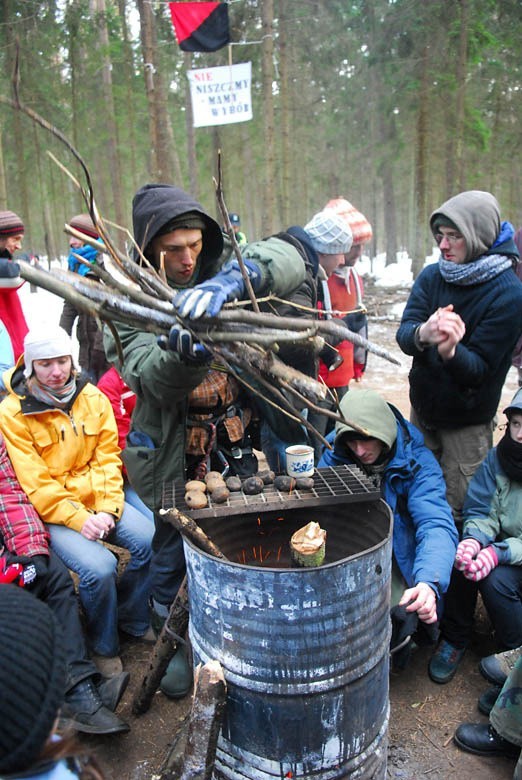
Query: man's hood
(156, 204)
(369, 411)
(476, 215)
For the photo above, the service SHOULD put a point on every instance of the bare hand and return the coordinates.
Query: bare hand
(453, 328)
(98, 526)
(423, 602)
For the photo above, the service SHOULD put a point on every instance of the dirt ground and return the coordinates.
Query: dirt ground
(423, 715)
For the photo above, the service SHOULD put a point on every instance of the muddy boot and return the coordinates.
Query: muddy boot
(177, 680)
(111, 689)
(84, 710)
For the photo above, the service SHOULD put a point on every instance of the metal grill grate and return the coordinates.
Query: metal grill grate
(332, 485)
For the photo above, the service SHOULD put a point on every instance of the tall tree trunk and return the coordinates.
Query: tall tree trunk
(284, 73)
(128, 70)
(462, 68)
(267, 15)
(164, 163)
(191, 135)
(3, 184)
(420, 201)
(109, 112)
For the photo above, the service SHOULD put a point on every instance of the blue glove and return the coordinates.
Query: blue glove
(8, 269)
(183, 342)
(208, 297)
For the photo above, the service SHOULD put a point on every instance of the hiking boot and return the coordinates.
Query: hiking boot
(108, 666)
(487, 699)
(83, 710)
(444, 662)
(483, 740)
(112, 689)
(495, 668)
(177, 680)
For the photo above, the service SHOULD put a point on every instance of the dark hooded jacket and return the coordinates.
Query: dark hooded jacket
(162, 381)
(466, 389)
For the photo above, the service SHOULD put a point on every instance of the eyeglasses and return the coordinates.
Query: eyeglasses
(451, 238)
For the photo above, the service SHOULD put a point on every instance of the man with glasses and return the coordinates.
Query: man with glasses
(461, 323)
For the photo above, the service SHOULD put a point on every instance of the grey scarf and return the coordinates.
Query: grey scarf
(481, 270)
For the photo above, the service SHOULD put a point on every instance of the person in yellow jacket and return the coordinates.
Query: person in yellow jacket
(62, 439)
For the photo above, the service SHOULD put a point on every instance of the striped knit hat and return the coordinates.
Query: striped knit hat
(32, 677)
(85, 225)
(11, 224)
(357, 222)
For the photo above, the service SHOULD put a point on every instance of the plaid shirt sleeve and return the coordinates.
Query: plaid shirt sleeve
(21, 528)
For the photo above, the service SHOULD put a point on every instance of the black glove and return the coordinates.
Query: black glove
(183, 342)
(34, 571)
(8, 269)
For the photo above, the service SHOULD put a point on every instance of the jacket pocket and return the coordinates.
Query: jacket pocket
(140, 463)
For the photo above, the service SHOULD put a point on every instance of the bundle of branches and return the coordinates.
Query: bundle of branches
(133, 292)
(245, 342)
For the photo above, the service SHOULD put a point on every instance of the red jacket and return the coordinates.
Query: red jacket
(344, 299)
(22, 531)
(123, 401)
(13, 317)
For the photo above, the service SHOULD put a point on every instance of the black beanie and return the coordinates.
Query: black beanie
(32, 676)
(443, 221)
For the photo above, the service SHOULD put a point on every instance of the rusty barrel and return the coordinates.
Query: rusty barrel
(304, 651)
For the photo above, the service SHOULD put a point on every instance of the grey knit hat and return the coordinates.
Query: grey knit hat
(329, 233)
(32, 677)
(476, 215)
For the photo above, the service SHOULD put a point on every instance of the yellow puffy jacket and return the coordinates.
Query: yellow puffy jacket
(67, 462)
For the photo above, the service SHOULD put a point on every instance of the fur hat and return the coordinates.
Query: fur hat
(84, 224)
(356, 221)
(329, 233)
(39, 345)
(32, 677)
(11, 224)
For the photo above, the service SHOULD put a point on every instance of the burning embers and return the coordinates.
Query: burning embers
(282, 547)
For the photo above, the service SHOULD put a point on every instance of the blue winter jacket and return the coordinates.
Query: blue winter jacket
(424, 534)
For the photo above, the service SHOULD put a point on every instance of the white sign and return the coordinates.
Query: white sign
(221, 95)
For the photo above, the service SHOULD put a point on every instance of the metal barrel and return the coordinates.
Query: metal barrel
(304, 651)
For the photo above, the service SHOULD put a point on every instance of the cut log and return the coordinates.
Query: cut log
(175, 625)
(208, 708)
(308, 545)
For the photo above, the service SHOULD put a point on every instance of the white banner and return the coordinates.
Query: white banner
(221, 95)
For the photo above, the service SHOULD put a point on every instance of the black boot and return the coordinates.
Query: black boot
(84, 710)
(483, 740)
(111, 689)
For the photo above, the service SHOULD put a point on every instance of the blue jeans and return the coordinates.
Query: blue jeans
(132, 498)
(109, 604)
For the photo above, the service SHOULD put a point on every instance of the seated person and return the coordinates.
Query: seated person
(62, 440)
(123, 401)
(502, 735)
(392, 452)
(32, 678)
(489, 557)
(26, 560)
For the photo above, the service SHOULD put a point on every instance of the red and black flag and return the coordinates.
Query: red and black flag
(200, 26)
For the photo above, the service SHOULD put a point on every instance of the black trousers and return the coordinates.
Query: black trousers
(501, 593)
(58, 592)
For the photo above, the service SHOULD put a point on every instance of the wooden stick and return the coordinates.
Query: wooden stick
(208, 708)
(176, 623)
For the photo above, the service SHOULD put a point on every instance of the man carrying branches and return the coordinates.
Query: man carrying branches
(184, 244)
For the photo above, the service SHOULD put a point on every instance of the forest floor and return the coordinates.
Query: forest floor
(423, 715)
